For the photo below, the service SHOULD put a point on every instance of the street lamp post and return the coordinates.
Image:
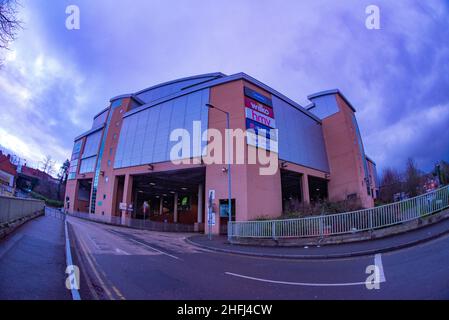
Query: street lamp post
(228, 141)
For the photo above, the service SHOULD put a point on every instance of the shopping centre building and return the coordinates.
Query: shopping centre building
(125, 164)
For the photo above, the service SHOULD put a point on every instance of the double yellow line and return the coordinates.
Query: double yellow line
(99, 274)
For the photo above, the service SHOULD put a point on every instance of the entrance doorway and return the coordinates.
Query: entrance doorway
(317, 189)
(171, 196)
(291, 191)
(82, 201)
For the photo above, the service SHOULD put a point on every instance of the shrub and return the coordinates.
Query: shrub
(48, 202)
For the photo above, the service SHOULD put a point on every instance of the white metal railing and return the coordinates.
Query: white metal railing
(343, 223)
(12, 209)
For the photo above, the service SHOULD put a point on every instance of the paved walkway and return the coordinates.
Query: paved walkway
(32, 261)
(219, 243)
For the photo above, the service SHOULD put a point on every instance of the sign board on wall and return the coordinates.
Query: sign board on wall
(123, 206)
(258, 97)
(211, 219)
(260, 129)
(260, 121)
(259, 141)
(257, 106)
(259, 117)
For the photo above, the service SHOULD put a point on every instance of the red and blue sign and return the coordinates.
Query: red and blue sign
(257, 106)
(260, 123)
(260, 129)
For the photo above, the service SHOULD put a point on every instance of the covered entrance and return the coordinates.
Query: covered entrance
(172, 196)
(82, 201)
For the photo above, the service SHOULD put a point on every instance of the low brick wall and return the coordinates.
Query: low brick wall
(346, 238)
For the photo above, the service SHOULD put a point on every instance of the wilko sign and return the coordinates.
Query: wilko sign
(254, 105)
(259, 117)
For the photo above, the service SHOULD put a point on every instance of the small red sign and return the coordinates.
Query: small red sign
(257, 106)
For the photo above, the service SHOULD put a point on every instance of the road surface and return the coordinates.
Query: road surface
(120, 263)
(135, 264)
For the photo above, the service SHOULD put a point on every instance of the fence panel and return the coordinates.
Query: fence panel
(344, 223)
(12, 209)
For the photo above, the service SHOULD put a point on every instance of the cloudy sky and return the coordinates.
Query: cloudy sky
(54, 81)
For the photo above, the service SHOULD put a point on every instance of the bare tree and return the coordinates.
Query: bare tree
(48, 165)
(413, 179)
(9, 23)
(391, 184)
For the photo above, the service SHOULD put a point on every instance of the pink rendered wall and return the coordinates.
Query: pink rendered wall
(255, 195)
(264, 192)
(345, 160)
(107, 188)
(373, 174)
(70, 191)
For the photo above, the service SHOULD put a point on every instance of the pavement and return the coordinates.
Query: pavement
(344, 250)
(32, 261)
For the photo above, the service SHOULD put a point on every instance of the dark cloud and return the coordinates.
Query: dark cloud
(397, 77)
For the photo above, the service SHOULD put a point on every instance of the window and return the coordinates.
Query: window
(100, 119)
(352, 196)
(74, 160)
(77, 149)
(109, 163)
(73, 169)
(88, 165)
(92, 144)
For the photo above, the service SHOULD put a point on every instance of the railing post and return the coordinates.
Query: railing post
(273, 230)
(371, 220)
(321, 226)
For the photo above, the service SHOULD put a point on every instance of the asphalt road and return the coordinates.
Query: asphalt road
(120, 263)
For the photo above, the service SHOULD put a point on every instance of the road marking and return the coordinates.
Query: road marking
(117, 292)
(69, 262)
(120, 251)
(157, 250)
(378, 263)
(94, 269)
(305, 284)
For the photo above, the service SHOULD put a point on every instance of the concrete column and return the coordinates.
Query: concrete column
(305, 189)
(161, 205)
(200, 203)
(114, 196)
(175, 208)
(127, 194)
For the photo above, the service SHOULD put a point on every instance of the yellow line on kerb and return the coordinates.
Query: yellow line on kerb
(94, 269)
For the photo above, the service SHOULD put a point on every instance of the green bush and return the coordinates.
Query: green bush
(48, 202)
